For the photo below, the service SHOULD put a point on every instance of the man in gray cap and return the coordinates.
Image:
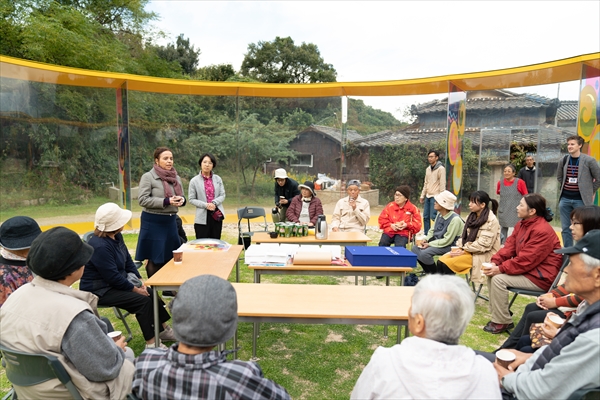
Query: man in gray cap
(204, 316)
(16, 236)
(48, 316)
(572, 360)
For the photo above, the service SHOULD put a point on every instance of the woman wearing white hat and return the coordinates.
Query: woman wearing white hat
(443, 235)
(112, 276)
(305, 207)
(285, 190)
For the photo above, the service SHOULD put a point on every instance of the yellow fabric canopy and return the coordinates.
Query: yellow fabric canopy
(568, 69)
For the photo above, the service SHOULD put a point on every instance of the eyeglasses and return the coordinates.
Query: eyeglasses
(398, 195)
(576, 223)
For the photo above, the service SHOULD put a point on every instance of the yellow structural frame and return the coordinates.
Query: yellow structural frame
(568, 69)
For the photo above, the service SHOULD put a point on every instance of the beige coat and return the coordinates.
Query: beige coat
(484, 247)
(347, 219)
(435, 181)
(35, 318)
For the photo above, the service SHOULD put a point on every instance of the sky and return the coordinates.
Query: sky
(392, 40)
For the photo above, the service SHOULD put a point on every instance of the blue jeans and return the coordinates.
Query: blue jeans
(429, 213)
(565, 207)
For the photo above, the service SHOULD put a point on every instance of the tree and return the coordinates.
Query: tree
(181, 52)
(217, 73)
(280, 61)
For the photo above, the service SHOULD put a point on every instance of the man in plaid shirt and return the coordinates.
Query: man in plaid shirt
(204, 316)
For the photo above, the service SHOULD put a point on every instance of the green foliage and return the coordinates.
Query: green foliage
(181, 52)
(281, 61)
(217, 73)
(518, 152)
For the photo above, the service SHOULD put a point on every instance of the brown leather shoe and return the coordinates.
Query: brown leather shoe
(495, 328)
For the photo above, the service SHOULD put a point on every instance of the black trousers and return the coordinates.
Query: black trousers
(531, 315)
(397, 240)
(139, 305)
(211, 230)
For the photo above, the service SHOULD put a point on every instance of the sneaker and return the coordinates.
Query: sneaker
(153, 346)
(495, 328)
(167, 335)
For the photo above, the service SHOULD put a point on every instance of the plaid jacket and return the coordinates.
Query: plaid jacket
(161, 374)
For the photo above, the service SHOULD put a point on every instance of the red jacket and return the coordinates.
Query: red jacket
(315, 208)
(393, 213)
(529, 251)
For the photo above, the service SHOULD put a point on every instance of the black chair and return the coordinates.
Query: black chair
(118, 312)
(25, 369)
(585, 394)
(536, 293)
(248, 213)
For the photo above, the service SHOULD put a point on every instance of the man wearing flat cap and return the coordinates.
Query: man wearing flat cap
(572, 360)
(351, 213)
(48, 316)
(16, 236)
(204, 316)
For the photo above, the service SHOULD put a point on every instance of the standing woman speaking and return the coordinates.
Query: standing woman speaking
(511, 192)
(207, 193)
(160, 196)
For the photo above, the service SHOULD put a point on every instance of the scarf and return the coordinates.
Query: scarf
(7, 255)
(169, 177)
(474, 223)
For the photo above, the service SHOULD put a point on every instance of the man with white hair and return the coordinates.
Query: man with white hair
(572, 360)
(351, 213)
(431, 364)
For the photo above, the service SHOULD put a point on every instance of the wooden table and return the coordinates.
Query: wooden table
(333, 238)
(195, 263)
(323, 304)
(330, 270)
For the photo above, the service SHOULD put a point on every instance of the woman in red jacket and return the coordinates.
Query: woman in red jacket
(527, 260)
(399, 220)
(306, 207)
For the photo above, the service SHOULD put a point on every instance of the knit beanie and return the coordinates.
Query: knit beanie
(58, 252)
(404, 190)
(204, 311)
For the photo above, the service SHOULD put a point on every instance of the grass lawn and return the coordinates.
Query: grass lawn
(316, 361)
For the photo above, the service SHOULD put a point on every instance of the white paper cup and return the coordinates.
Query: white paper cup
(487, 265)
(114, 335)
(505, 358)
(454, 248)
(177, 256)
(556, 320)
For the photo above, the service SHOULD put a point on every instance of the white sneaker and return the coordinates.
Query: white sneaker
(167, 335)
(153, 346)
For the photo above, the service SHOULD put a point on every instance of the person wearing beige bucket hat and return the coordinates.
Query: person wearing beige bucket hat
(112, 275)
(443, 235)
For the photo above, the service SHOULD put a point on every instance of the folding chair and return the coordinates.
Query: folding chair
(536, 293)
(476, 291)
(118, 312)
(25, 369)
(248, 213)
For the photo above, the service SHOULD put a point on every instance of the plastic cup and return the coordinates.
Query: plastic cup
(505, 358)
(115, 335)
(177, 256)
(454, 248)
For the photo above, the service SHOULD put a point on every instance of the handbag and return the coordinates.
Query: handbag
(538, 339)
(217, 215)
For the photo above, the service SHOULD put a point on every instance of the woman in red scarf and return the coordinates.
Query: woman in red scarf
(160, 195)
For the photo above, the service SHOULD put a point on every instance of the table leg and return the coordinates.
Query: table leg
(402, 276)
(364, 280)
(235, 345)
(399, 338)
(385, 327)
(237, 270)
(156, 319)
(356, 280)
(254, 335)
(256, 276)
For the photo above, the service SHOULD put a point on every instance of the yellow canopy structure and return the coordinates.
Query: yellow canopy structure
(568, 69)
